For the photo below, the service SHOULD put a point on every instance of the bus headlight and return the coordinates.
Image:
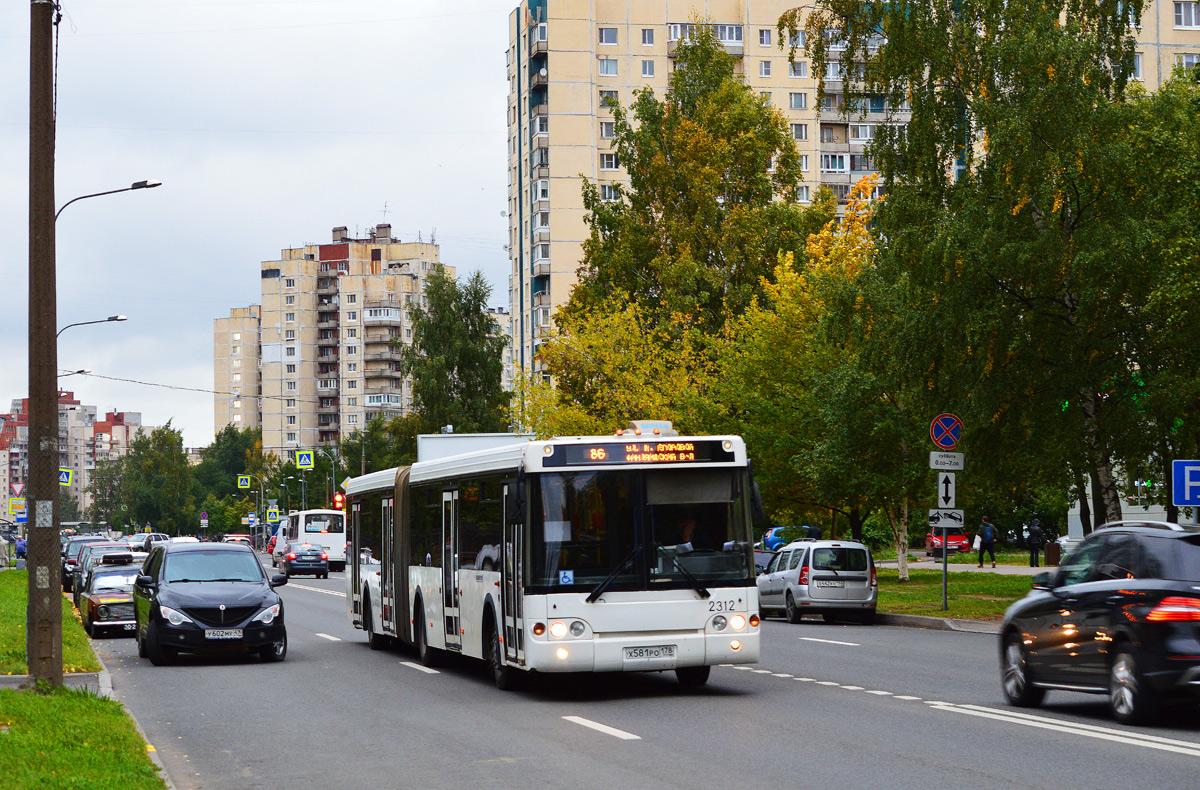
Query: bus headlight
(719, 622)
(558, 629)
(738, 622)
(577, 628)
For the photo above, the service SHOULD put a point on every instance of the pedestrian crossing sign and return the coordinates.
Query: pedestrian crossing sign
(65, 476)
(243, 481)
(304, 459)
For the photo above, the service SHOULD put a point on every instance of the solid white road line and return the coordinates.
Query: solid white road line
(416, 666)
(830, 641)
(318, 589)
(330, 638)
(604, 728)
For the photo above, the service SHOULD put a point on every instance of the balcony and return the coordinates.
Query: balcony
(389, 355)
(541, 268)
(539, 48)
(732, 48)
(539, 171)
(327, 286)
(541, 299)
(540, 141)
(393, 392)
(328, 341)
(331, 324)
(378, 339)
(539, 78)
(541, 234)
(383, 373)
(542, 107)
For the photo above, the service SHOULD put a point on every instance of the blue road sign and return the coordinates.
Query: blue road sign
(65, 476)
(945, 430)
(22, 516)
(272, 516)
(304, 459)
(243, 481)
(1185, 483)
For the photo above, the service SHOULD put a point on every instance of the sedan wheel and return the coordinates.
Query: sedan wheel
(1015, 677)
(1131, 700)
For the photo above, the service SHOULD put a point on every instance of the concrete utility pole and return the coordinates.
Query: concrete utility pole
(43, 623)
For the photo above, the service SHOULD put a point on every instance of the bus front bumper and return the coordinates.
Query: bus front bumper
(643, 652)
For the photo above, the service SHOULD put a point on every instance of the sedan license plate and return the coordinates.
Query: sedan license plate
(649, 653)
(129, 626)
(223, 633)
(830, 583)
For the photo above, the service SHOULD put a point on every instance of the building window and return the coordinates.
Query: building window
(877, 103)
(237, 418)
(237, 336)
(541, 125)
(647, 68)
(1188, 60)
(351, 350)
(608, 67)
(289, 317)
(799, 69)
(608, 192)
(351, 401)
(764, 37)
(797, 101)
(237, 404)
(860, 163)
(291, 437)
(647, 37)
(608, 98)
(289, 283)
(862, 133)
(833, 163)
(541, 220)
(352, 419)
(799, 131)
(729, 34)
(351, 332)
(290, 403)
(237, 363)
(541, 189)
(1187, 16)
(608, 35)
(796, 39)
(609, 162)
(289, 334)
(804, 163)
(351, 298)
(351, 367)
(291, 386)
(351, 385)
(291, 420)
(290, 351)
(352, 315)
(827, 134)
(802, 194)
(237, 350)
(764, 68)
(289, 300)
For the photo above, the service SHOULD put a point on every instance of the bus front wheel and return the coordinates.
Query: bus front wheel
(693, 676)
(505, 677)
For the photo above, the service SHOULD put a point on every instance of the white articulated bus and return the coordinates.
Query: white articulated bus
(631, 552)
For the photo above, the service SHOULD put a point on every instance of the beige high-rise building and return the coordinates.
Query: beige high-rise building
(565, 57)
(314, 362)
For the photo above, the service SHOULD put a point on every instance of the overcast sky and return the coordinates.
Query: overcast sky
(269, 122)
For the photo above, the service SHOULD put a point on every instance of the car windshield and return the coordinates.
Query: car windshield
(211, 566)
(644, 528)
(325, 522)
(839, 558)
(75, 547)
(114, 582)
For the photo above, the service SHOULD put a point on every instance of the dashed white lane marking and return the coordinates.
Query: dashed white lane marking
(318, 589)
(807, 680)
(330, 638)
(1085, 730)
(419, 668)
(906, 697)
(881, 693)
(829, 641)
(780, 675)
(761, 671)
(828, 683)
(604, 728)
(853, 688)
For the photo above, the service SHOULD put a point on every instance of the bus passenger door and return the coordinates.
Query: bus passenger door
(353, 566)
(450, 592)
(387, 576)
(510, 582)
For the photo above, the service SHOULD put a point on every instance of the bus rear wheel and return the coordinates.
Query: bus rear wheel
(693, 676)
(428, 656)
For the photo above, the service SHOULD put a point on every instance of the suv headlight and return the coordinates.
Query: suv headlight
(173, 617)
(268, 615)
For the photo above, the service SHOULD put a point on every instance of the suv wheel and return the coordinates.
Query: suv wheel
(276, 651)
(793, 611)
(158, 655)
(1015, 677)
(1130, 698)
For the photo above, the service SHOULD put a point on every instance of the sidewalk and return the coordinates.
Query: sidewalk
(935, 563)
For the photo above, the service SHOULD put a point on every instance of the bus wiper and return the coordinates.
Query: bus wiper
(599, 589)
(692, 580)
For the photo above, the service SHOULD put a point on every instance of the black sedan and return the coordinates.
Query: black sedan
(1120, 617)
(300, 557)
(207, 598)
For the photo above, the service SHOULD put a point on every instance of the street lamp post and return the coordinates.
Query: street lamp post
(97, 321)
(332, 465)
(130, 188)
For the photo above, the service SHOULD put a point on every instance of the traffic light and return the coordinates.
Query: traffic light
(339, 501)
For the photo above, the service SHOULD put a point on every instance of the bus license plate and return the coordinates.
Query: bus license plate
(223, 633)
(830, 583)
(649, 653)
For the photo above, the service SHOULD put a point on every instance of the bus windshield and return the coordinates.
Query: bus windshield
(660, 526)
(325, 522)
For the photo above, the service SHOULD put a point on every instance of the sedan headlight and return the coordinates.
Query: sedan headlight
(173, 617)
(102, 612)
(268, 615)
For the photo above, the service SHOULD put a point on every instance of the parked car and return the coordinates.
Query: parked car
(106, 602)
(143, 541)
(832, 578)
(1120, 617)
(956, 540)
(773, 539)
(271, 549)
(243, 539)
(207, 598)
(762, 558)
(89, 557)
(70, 557)
(300, 557)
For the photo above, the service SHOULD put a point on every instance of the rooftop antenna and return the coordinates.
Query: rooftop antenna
(385, 210)
(433, 236)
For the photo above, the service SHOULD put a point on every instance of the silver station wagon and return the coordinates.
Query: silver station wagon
(832, 578)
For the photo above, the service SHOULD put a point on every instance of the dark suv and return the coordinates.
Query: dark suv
(1120, 617)
(207, 598)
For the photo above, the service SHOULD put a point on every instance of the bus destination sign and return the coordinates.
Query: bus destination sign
(639, 452)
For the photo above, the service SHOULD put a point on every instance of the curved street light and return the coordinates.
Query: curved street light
(135, 185)
(97, 321)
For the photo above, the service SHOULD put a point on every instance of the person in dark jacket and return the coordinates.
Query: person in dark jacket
(987, 541)
(1035, 542)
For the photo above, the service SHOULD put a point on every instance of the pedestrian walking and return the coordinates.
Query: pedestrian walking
(1035, 542)
(21, 548)
(987, 541)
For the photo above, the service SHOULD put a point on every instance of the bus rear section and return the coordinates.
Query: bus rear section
(324, 527)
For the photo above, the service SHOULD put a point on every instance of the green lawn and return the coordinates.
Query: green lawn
(973, 596)
(972, 557)
(77, 653)
(71, 740)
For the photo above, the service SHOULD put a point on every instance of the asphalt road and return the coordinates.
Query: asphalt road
(832, 706)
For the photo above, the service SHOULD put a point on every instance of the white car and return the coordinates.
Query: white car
(832, 578)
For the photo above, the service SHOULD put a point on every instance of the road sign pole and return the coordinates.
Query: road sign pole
(945, 564)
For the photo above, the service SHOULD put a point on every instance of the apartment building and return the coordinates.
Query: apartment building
(84, 440)
(314, 362)
(565, 57)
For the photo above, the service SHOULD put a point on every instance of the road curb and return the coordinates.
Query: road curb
(937, 623)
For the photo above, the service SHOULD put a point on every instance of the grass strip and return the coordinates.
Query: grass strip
(14, 594)
(66, 739)
(973, 596)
